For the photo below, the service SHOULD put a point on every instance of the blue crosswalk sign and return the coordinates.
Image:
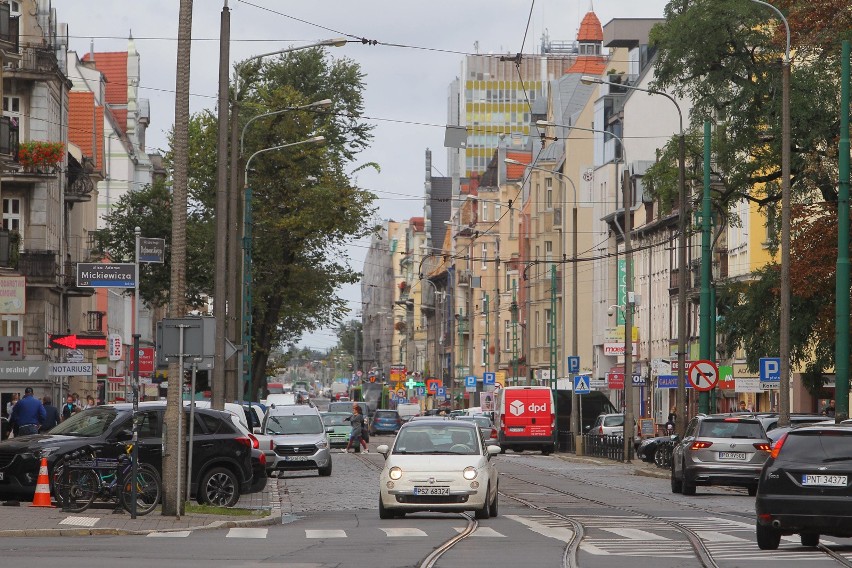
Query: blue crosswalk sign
(581, 384)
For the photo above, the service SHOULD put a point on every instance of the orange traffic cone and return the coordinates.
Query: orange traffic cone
(42, 492)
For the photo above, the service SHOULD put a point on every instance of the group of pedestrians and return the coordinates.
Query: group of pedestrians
(29, 415)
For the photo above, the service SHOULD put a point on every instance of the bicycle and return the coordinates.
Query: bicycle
(86, 477)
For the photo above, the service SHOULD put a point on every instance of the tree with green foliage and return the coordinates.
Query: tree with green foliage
(306, 203)
(725, 57)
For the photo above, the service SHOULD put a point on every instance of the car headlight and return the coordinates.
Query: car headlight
(322, 444)
(395, 473)
(469, 472)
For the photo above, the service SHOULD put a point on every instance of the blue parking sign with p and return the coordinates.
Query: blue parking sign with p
(441, 391)
(770, 369)
(488, 378)
(470, 381)
(574, 364)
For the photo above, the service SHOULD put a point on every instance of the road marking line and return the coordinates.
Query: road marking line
(80, 521)
(170, 534)
(633, 534)
(486, 532)
(562, 534)
(714, 536)
(331, 533)
(238, 532)
(402, 532)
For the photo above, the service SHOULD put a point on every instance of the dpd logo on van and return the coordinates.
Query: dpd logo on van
(516, 408)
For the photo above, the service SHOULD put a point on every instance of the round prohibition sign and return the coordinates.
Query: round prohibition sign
(703, 375)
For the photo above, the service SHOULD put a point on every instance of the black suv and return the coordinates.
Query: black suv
(805, 486)
(221, 459)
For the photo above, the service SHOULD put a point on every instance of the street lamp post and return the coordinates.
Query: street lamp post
(784, 324)
(247, 249)
(575, 399)
(227, 250)
(628, 292)
(683, 203)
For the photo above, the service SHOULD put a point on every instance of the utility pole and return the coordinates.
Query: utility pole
(220, 389)
(841, 357)
(629, 428)
(172, 474)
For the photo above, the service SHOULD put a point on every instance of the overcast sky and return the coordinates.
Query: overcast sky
(404, 85)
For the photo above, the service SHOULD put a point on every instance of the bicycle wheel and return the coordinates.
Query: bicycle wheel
(148, 490)
(78, 489)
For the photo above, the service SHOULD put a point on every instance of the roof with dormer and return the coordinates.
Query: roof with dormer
(590, 28)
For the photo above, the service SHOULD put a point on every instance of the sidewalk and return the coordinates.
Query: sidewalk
(638, 467)
(99, 519)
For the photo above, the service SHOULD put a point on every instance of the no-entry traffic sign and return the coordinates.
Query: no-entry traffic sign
(703, 375)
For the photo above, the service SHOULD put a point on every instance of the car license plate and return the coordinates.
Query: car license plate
(516, 429)
(739, 456)
(824, 480)
(419, 490)
(296, 458)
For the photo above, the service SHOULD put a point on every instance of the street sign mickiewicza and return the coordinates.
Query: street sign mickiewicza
(152, 250)
(97, 275)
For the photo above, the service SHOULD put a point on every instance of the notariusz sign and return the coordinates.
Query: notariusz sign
(122, 275)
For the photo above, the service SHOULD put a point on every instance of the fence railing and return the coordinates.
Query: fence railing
(609, 447)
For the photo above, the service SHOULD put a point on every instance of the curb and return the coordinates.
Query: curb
(274, 517)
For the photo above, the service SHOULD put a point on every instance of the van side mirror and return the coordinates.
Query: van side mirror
(587, 428)
(674, 437)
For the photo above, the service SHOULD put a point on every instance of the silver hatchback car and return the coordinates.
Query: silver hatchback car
(719, 450)
(299, 439)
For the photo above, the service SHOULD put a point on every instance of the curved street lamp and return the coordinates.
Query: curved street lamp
(247, 248)
(680, 397)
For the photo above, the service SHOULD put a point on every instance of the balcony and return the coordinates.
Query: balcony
(79, 187)
(40, 267)
(95, 322)
(36, 63)
(10, 246)
(70, 282)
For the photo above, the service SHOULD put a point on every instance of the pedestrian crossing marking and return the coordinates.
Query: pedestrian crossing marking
(715, 536)
(403, 532)
(238, 532)
(486, 532)
(80, 521)
(327, 533)
(634, 534)
(170, 534)
(538, 525)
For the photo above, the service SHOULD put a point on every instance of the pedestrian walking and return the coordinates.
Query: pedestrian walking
(90, 402)
(357, 422)
(69, 408)
(11, 403)
(28, 414)
(52, 417)
(829, 410)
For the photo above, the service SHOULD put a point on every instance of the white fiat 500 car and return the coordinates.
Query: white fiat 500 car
(438, 465)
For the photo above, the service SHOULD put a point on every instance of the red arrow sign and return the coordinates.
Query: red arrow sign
(78, 342)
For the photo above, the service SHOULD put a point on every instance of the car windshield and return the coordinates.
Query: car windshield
(817, 446)
(385, 415)
(731, 429)
(437, 439)
(614, 420)
(481, 421)
(335, 418)
(294, 424)
(340, 407)
(87, 424)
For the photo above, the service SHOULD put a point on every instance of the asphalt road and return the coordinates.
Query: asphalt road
(626, 520)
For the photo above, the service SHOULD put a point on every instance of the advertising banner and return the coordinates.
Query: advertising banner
(13, 295)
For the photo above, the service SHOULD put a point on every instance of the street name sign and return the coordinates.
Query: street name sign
(98, 275)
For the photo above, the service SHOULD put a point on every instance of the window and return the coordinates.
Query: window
(548, 193)
(496, 211)
(10, 326)
(536, 202)
(548, 256)
(537, 258)
(537, 338)
(13, 219)
(483, 351)
(484, 211)
(507, 343)
(484, 256)
(511, 223)
(12, 106)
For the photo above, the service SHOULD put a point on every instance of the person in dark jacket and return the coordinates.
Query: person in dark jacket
(51, 414)
(69, 408)
(28, 415)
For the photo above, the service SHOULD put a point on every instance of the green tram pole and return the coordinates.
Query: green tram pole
(554, 355)
(706, 260)
(841, 357)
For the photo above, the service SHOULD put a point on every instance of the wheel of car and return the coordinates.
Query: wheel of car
(219, 487)
(325, 471)
(677, 484)
(809, 539)
(482, 513)
(752, 490)
(767, 537)
(658, 457)
(687, 488)
(492, 512)
(384, 513)
(258, 483)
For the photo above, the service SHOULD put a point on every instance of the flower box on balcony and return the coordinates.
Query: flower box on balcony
(40, 157)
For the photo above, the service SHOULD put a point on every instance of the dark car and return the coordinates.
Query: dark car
(221, 461)
(719, 450)
(806, 486)
(385, 422)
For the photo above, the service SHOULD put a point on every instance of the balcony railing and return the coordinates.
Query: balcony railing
(39, 266)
